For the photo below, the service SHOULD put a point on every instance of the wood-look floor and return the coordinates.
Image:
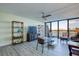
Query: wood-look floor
(29, 49)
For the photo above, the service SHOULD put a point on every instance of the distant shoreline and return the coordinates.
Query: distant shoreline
(63, 30)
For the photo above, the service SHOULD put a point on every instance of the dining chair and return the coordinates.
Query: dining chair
(42, 42)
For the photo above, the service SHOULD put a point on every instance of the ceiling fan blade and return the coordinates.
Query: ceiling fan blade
(48, 15)
(44, 16)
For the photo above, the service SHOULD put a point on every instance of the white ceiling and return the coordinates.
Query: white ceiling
(33, 10)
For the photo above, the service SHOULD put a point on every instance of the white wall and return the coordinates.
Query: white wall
(5, 26)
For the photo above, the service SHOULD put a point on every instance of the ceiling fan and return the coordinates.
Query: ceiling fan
(45, 16)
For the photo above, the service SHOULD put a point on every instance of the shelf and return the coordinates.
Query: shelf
(17, 27)
(17, 37)
(17, 22)
(17, 31)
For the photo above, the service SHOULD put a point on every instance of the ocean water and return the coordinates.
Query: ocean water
(63, 33)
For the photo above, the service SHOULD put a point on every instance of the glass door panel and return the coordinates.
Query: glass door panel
(73, 27)
(54, 29)
(63, 29)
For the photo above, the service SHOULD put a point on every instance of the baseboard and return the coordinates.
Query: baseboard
(3, 45)
(8, 44)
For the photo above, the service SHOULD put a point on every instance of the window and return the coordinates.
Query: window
(63, 29)
(73, 25)
(54, 29)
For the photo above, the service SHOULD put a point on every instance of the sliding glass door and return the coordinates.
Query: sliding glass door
(73, 27)
(54, 29)
(63, 29)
